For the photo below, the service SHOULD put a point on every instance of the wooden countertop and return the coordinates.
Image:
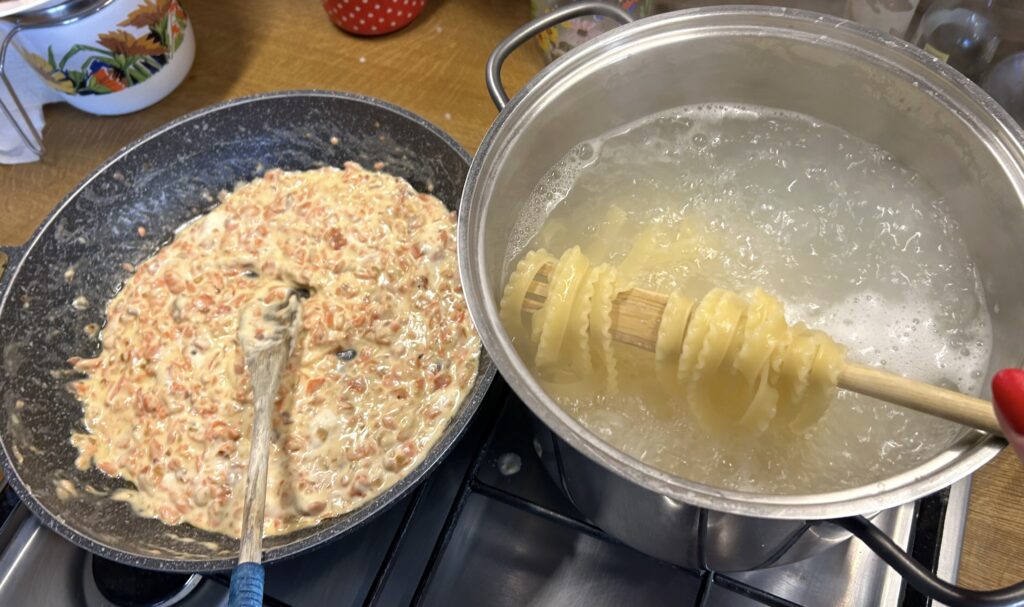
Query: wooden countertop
(435, 68)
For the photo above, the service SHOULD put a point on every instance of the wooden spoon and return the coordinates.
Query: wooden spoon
(636, 315)
(267, 333)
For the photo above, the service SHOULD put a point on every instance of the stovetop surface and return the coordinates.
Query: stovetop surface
(489, 527)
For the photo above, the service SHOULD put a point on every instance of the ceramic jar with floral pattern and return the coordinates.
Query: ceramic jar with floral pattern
(124, 57)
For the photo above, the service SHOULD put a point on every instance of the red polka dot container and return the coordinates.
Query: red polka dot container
(372, 17)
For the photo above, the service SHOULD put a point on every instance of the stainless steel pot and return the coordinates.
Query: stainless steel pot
(932, 119)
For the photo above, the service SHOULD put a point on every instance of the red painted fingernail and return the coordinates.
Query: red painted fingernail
(1008, 389)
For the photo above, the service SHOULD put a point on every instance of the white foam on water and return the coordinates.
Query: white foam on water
(850, 240)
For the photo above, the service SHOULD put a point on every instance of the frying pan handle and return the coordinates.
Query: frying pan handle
(921, 578)
(531, 29)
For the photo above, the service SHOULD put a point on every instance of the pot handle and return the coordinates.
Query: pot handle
(531, 29)
(921, 578)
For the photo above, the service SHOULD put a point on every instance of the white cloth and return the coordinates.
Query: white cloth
(33, 92)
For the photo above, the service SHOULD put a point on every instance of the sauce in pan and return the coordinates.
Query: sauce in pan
(385, 354)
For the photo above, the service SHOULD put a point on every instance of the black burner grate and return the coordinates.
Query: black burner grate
(490, 527)
(708, 583)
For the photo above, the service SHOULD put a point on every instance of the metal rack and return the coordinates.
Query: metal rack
(489, 527)
(709, 584)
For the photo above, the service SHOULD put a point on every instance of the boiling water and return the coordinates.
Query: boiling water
(852, 242)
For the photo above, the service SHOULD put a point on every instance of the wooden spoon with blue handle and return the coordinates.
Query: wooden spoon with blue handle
(267, 333)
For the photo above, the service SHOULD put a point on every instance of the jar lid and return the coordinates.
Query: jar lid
(40, 13)
(14, 7)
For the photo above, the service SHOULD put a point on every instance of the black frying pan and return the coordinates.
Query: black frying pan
(162, 181)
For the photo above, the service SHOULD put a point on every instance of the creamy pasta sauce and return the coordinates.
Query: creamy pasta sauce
(385, 354)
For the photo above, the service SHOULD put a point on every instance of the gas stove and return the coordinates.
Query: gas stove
(487, 528)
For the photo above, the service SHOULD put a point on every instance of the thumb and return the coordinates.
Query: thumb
(1008, 393)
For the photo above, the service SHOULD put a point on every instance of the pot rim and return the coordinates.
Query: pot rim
(959, 96)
